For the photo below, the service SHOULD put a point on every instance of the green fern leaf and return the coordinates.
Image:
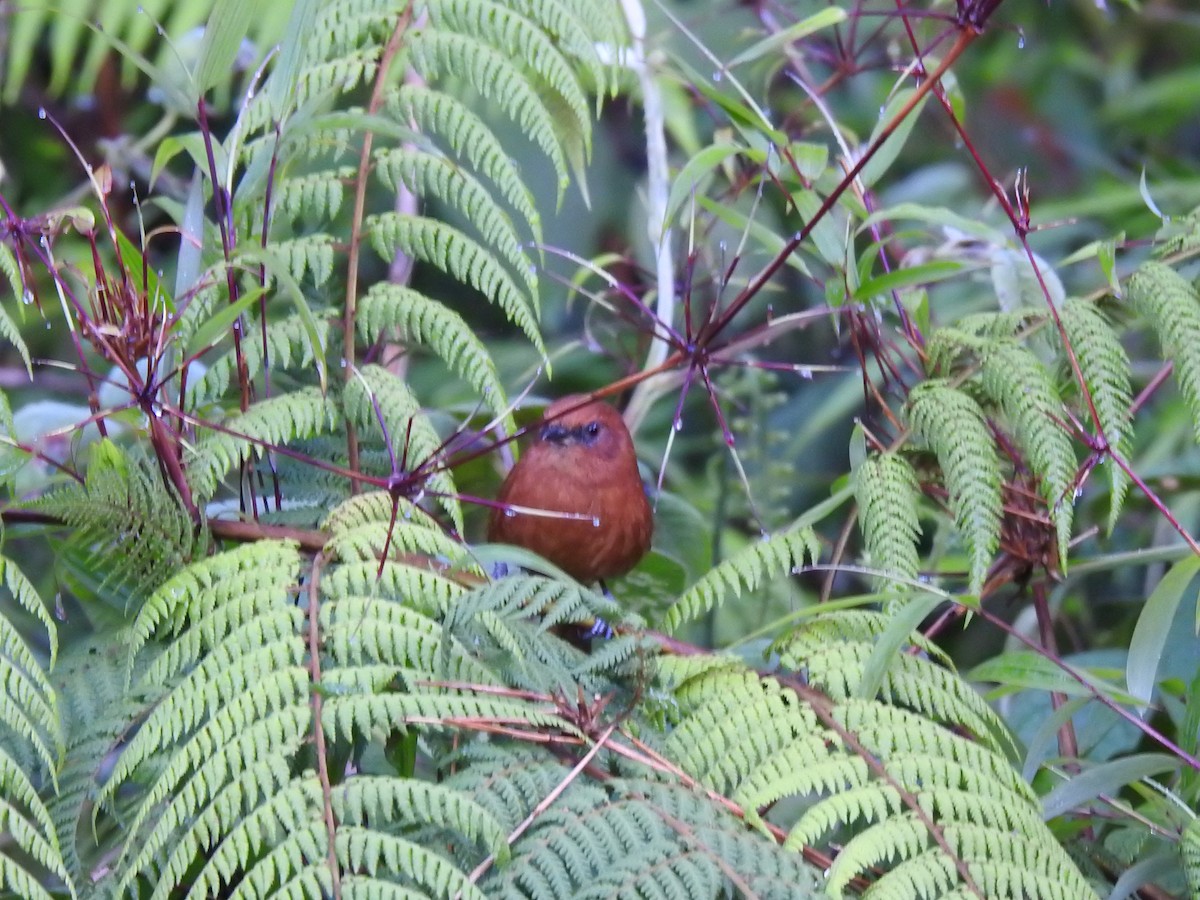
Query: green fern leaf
(1171, 304)
(887, 491)
(456, 254)
(443, 115)
(425, 321)
(506, 30)
(497, 78)
(276, 421)
(288, 347)
(427, 175)
(9, 329)
(1189, 853)
(578, 27)
(953, 425)
(1019, 384)
(127, 525)
(1107, 374)
(314, 197)
(308, 255)
(777, 554)
(29, 716)
(376, 394)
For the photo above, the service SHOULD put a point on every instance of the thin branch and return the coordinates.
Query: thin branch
(319, 748)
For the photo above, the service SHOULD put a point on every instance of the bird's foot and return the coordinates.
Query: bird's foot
(600, 628)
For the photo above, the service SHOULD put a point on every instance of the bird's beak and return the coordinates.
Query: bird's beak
(555, 434)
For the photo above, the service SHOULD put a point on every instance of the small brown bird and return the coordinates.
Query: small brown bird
(582, 462)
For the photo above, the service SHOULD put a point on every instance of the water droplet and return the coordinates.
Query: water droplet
(677, 424)
(47, 325)
(342, 363)
(27, 297)
(1078, 492)
(595, 521)
(717, 76)
(1020, 40)
(41, 112)
(804, 372)
(510, 513)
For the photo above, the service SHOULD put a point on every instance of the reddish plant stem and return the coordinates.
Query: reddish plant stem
(349, 314)
(1068, 744)
(965, 37)
(318, 729)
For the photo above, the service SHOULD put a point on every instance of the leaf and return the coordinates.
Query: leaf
(1107, 778)
(894, 143)
(1154, 627)
(227, 26)
(797, 31)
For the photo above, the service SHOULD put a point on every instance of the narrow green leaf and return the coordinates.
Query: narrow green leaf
(227, 26)
(694, 174)
(1154, 625)
(826, 18)
(925, 273)
(219, 325)
(899, 630)
(1106, 778)
(891, 147)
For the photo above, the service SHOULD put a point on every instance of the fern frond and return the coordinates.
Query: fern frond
(127, 525)
(1171, 305)
(246, 579)
(453, 252)
(745, 571)
(578, 27)
(99, 712)
(311, 254)
(1107, 373)
(9, 330)
(376, 394)
(1020, 385)
(279, 420)
(422, 320)
(29, 720)
(1189, 853)
(953, 425)
(627, 835)
(288, 347)
(887, 491)
(515, 613)
(889, 775)
(425, 174)
(508, 31)
(313, 197)
(443, 115)
(383, 637)
(494, 76)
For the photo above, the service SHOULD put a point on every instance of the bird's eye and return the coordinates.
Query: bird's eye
(592, 429)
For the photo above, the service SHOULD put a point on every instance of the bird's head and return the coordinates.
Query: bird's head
(586, 428)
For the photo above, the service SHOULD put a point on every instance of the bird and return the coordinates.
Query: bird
(581, 462)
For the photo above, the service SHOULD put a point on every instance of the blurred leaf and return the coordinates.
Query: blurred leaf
(223, 35)
(894, 143)
(1026, 669)
(1154, 626)
(1106, 778)
(826, 18)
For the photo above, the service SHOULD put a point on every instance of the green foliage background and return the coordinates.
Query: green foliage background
(921, 415)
